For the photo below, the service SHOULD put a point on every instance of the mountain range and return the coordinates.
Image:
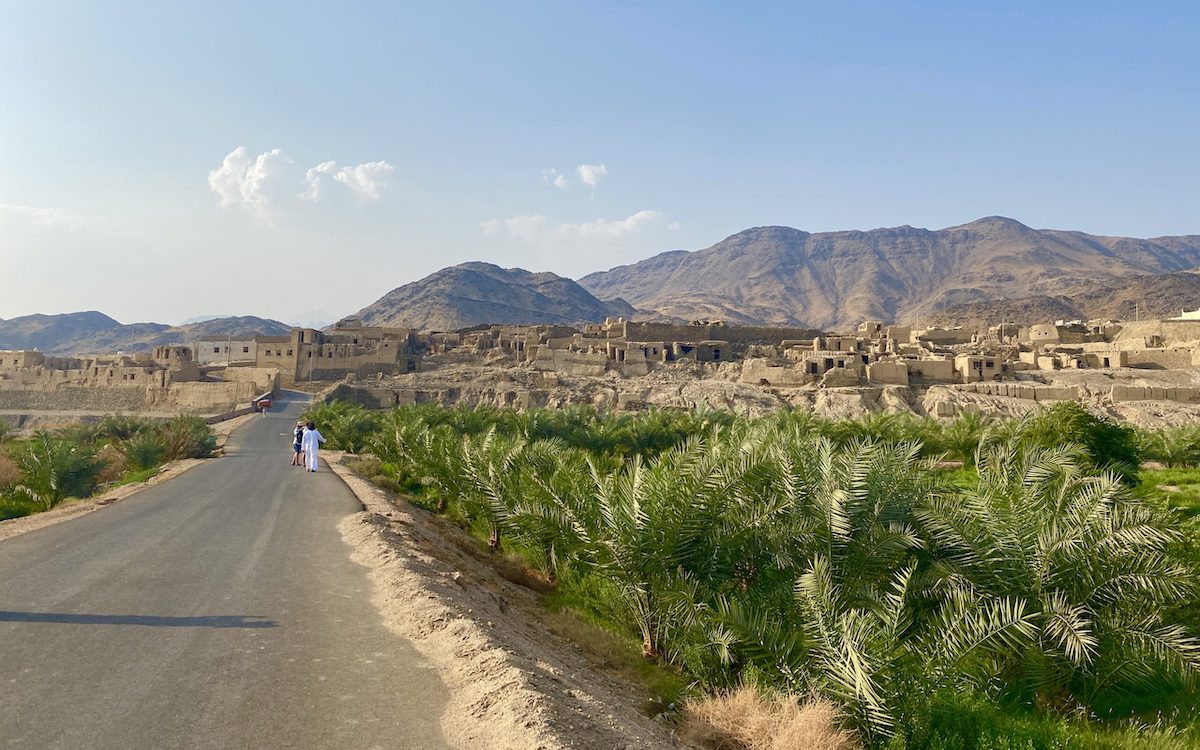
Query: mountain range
(95, 332)
(990, 270)
(475, 293)
(833, 280)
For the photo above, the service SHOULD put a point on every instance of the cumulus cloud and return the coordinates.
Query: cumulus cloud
(365, 179)
(591, 174)
(555, 178)
(240, 181)
(537, 229)
(313, 178)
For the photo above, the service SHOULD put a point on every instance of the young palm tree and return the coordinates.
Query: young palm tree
(1089, 566)
(53, 470)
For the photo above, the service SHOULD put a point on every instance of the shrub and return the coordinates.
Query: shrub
(53, 469)
(744, 719)
(112, 464)
(10, 472)
(144, 450)
(188, 437)
(120, 428)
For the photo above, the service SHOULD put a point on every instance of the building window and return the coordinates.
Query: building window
(245, 350)
(989, 364)
(289, 352)
(216, 350)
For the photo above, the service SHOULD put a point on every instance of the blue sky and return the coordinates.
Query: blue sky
(448, 124)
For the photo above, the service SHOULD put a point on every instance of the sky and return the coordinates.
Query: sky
(294, 160)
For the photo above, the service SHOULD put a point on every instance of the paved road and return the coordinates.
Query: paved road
(218, 610)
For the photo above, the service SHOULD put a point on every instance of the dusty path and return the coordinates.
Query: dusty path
(218, 610)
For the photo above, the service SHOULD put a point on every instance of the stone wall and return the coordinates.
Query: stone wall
(74, 399)
(1022, 390)
(1185, 395)
(186, 398)
(571, 363)
(264, 378)
(635, 331)
(1159, 359)
(763, 372)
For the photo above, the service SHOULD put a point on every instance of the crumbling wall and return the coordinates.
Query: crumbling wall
(1185, 395)
(645, 331)
(571, 363)
(1159, 359)
(264, 378)
(763, 372)
(1022, 390)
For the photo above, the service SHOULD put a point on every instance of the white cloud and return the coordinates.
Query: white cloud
(527, 228)
(49, 217)
(591, 174)
(538, 229)
(313, 178)
(555, 178)
(364, 179)
(238, 181)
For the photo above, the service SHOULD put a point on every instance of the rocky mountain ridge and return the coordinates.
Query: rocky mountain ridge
(833, 280)
(474, 293)
(94, 332)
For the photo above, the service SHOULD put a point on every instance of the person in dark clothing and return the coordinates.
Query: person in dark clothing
(297, 439)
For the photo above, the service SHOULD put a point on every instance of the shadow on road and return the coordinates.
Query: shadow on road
(154, 621)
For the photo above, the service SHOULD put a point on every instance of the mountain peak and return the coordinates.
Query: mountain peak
(477, 293)
(1000, 222)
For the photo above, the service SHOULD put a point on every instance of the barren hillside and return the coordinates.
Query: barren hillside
(94, 332)
(779, 275)
(474, 293)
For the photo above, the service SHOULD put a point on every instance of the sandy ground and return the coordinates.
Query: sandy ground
(514, 683)
(73, 509)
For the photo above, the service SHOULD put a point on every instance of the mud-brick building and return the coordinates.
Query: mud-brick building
(349, 348)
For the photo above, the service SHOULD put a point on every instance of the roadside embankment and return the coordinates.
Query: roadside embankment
(513, 682)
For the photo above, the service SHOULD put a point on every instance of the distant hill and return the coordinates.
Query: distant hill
(94, 332)
(1160, 296)
(475, 293)
(834, 280)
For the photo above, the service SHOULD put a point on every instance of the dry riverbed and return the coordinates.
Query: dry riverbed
(513, 682)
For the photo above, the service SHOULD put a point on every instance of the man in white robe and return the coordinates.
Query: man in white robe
(310, 444)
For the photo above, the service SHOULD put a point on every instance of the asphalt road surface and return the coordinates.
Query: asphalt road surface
(218, 610)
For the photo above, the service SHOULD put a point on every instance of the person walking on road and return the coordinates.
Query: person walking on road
(297, 442)
(311, 443)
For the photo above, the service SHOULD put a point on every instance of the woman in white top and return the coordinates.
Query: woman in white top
(310, 443)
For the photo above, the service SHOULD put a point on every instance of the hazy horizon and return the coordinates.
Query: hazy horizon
(162, 163)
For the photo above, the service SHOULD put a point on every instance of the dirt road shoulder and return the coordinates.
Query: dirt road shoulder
(513, 682)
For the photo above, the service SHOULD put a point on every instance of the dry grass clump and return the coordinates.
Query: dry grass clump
(10, 473)
(114, 464)
(746, 720)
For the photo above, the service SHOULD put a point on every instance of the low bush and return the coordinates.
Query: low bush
(144, 450)
(745, 719)
(188, 437)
